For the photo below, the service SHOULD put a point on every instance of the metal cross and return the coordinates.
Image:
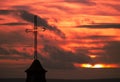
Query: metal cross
(35, 31)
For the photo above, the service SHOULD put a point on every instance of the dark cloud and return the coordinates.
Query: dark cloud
(93, 37)
(1, 18)
(112, 50)
(114, 6)
(109, 53)
(41, 22)
(4, 51)
(117, 7)
(9, 53)
(57, 53)
(14, 24)
(57, 64)
(101, 25)
(53, 64)
(104, 13)
(99, 37)
(59, 58)
(15, 37)
(85, 2)
(4, 12)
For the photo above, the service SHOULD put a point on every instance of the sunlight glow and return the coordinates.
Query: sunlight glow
(93, 66)
(98, 66)
(93, 56)
(87, 65)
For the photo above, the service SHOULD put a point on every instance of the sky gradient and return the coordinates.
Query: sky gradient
(82, 39)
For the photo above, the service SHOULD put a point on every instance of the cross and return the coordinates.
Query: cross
(35, 31)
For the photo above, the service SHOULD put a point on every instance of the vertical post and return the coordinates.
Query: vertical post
(35, 37)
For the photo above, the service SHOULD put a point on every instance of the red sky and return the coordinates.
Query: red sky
(79, 33)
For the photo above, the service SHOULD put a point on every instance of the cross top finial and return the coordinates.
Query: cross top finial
(35, 31)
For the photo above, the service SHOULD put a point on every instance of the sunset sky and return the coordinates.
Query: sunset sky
(81, 41)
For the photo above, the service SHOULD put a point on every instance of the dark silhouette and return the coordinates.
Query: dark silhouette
(36, 73)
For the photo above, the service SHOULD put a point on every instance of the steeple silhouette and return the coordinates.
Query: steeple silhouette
(35, 73)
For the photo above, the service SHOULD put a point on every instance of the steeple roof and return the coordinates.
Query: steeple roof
(36, 67)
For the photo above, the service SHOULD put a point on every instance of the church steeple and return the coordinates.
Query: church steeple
(35, 73)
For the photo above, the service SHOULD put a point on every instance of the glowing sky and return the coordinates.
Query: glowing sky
(80, 34)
